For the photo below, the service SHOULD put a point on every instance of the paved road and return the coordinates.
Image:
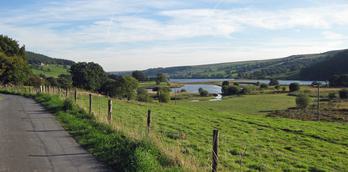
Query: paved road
(31, 140)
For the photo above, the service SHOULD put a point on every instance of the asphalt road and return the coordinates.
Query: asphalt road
(31, 140)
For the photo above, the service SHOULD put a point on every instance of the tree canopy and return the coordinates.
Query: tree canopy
(90, 76)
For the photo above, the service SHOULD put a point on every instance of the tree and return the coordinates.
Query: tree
(163, 94)
(90, 76)
(273, 82)
(143, 95)
(302, 101)
(203, 92)
(263, 86)
(13, 70)
(233, 90)
(343, 94)
(64, 81)
(224, 87)
(10, 47)
(161, 77)
(52, 81)
(129, 86)
(294, 87)
(139, 75)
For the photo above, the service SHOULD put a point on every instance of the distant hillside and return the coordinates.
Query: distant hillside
(37, 59)
(337, 64)
(282, 68)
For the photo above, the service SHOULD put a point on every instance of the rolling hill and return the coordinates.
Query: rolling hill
(292, 67)
(47, 66)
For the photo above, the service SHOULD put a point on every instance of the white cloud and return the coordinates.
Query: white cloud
(68, 28)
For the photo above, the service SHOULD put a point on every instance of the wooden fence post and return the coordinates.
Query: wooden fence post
(148, 122)
(215, 149)
(109, 110)
(66, 92)
(75, 95)
(90, 103)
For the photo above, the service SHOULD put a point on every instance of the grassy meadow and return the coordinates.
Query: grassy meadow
(50, 70)
(249, 140)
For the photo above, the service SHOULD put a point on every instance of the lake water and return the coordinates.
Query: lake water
(193, 88)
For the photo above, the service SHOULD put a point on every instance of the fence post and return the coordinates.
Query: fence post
(215, 149)
(109, 110)
(75, 95)
(90, 103)
(148, 122)
(66, 92)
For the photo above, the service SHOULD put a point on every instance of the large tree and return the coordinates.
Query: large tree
(90, 76)
(139, 75)
(13, 65)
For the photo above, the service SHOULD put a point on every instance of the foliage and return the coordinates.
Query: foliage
(163, 94)
(139, 75)
(161, 77)
(10, 47)
(90, 76)
(129, 87)
(302, 101)
(263, 86)
(38, 59)
(273, 82)
(143, 95)
(332, 96)
(343, 94)
(203, 92)
(339, 80)
(294, 87)
(13, 70)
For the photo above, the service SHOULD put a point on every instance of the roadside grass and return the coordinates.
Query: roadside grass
(49, 70)
(249, 140)
(118, 151)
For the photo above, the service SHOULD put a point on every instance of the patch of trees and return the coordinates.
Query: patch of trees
(327, 69)
(13, 64)
(139, 75)
(294, 87)
(234, 89)
(339, 80)
(37, 59)
(89, 76)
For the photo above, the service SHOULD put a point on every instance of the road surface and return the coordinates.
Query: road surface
(31, 140)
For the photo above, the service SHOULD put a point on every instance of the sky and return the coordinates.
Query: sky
(125, 35)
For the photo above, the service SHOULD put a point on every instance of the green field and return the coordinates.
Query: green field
(50, 70)
(249, 140)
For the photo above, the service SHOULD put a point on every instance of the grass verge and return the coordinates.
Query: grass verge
(111, 147)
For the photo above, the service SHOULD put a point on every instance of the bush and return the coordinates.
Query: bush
(68, 105)
(303, 101)
(294, 87)
(143, 95)
(273, 82)
(343, 94)
(263, 86)
(164, 95)
(203, 92)
(232, 90)
(332, 96)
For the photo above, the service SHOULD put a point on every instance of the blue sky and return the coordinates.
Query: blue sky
(140, 34)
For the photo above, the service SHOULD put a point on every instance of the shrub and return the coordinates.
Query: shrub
(143, 95)
(277, 87)
(245, 90)
(232, 90)
(294, 87)
(164, 95)
(68, 105)
(203, 92)
(263, 86)
(283, 88)
(343, 94)
(332, 96)
(273, 82)
(302, 101)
